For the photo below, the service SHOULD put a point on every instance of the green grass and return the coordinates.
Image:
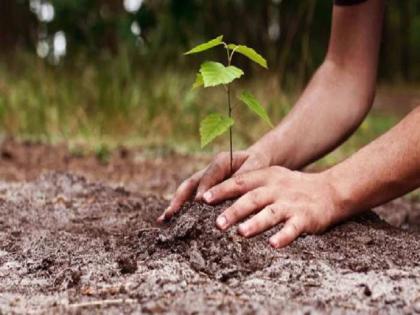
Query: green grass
(121, 101)
(113, 101)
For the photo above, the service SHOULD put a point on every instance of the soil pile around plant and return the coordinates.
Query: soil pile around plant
(72, 246)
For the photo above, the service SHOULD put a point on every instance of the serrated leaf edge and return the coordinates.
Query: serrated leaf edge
(231, 123)
(236, 48)
(242, 97)
(206, 85)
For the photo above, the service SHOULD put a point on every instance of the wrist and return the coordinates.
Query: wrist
(274, 154)
(262, 153)
(343, 194)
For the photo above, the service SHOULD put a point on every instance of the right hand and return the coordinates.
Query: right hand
(216, 172)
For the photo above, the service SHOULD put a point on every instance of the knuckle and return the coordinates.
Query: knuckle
(254, 199)
(276, 212)
(317, 227)
(271, 215)
(295, 228)
(272, 211)
(239, 180)
(233, 213)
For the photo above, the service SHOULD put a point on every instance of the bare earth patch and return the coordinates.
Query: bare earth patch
(67, 244)
(76, 246)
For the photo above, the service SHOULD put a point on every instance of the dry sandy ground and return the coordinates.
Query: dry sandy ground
(69, 244)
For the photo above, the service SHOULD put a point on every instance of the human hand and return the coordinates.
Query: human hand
(304, 202)
(217, 171)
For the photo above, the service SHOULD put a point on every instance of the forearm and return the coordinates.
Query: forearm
(385, 169)
(338, 96)
(330, 109)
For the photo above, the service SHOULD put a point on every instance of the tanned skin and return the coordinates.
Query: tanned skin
(266, 181)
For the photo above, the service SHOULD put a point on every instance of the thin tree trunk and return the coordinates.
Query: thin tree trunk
(287, 40)
(16, 23)
(305, 63)
(405, 33)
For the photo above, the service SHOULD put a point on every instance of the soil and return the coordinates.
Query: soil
(154, 171)
(74, 244)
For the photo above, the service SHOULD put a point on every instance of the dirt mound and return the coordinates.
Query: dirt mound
(72, 246)
(221, 256)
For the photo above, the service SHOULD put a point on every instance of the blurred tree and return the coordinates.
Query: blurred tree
(89, 24)
(292, 34)
(17, 25)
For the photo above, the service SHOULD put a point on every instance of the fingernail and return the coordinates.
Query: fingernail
(273, 243)
(167, 218)
(165, 215)
(208, 196)
(198, 196)
(243, 230)
(222, 222)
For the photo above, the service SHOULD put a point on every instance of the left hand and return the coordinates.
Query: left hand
(305, 202)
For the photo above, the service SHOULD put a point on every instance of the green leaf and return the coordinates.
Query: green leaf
(206, 46)
(198, 81)
(215, 73)
(249, 53)
(255, 106)
(213, 126)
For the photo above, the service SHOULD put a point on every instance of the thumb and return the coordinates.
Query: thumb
(218, 170)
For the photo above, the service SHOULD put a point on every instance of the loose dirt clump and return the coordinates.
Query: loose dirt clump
(127, 264)
(221, 256)
(68, 245)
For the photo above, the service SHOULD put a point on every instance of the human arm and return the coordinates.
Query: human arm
(339, 95)
(385, 169)
(329, 110)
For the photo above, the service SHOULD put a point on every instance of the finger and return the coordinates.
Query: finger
(236, 186)
(218, 170)
(263, 220)
(182, 194)
(244, 206)
(291, 231)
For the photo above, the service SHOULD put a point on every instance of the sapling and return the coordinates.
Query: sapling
(213, 74)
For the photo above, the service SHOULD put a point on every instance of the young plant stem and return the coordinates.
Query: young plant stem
(230, 130)
(228, 90)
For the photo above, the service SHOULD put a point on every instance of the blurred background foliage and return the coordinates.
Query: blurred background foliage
(113, 70)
